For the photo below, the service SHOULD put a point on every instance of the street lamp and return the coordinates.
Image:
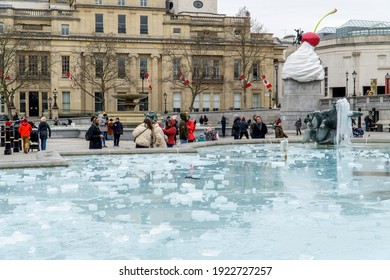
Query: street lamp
(50, 112)
(55, 99)
(354, 74)
(346, 83)
(165, 103)
(143, 78)
(276, 83)
(270, 97)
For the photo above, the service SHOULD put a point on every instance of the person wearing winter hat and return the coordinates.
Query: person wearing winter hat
(25, 131)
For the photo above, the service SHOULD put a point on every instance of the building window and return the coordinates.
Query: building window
(45, 66)
(176, 30)
(22, 65)
(22, 102)
(256, 100)
(121, 24)
(195, 71)
(143, 3)
(64, 65)
(33, 65)
(65, 29)
(176, 68)
(216, 70)
(196, 103)
(143, 66)
(216, 101)
(98, 67)
(99, 2)
(66, 102)
(98, 102)
(206, 102)
(44, 102)
(237, 68)
(237, 101)
(143, 25)
(121, 2)
(207, 70)
(255, 71)
(326, 90)
(99, 23)
(121, 67)
(177, 102)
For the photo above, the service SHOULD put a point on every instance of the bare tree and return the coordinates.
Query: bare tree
(19, 64)
(102, 66)
(252, 45)
(194, 64)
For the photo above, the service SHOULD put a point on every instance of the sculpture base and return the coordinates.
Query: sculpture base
(299, 99)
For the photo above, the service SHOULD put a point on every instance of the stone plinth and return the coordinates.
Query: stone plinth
(299, 99)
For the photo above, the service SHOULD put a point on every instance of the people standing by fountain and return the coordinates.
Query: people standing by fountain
(170, 132)
(44, 132)
(298, 125)
(158, 136)
(244, 128)
(183, 129)
(258, 129)
(236, 127)
(25, 130)
(117, 128)
(143, 134)
(94, 135)
(103, 128)
(223, 124)
(279, 133)
(367, 122)
(110, 129)
(191, 125)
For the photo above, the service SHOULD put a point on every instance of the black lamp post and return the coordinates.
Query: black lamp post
(50, 112)
(276, 83)
(346, 83)
(354, 74)
(55, 99)
(143, 78)
(165, 103)
(270, 98)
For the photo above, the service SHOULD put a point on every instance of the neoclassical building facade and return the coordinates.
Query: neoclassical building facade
(360, 47)
(142, 34)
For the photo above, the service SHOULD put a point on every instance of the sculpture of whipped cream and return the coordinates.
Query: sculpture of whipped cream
(304, 64)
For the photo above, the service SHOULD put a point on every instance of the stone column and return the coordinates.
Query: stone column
(134, 77)
(155, 99)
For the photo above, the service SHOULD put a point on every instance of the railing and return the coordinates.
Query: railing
(35, 13)
(376, 101)
(32, 13)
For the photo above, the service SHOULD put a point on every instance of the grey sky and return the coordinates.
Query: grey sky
(281, 17)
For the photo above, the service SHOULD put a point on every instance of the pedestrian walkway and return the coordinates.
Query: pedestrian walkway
(57, 148)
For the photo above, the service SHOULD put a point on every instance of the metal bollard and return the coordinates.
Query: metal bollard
(7, 150)
(16, 139)
(11, 133)
(2, 143)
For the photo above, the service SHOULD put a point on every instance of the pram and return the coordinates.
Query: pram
(211, 134)
(357, 132)
(34, 140)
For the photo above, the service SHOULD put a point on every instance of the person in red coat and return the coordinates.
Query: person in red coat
(170, 132)
(25, 131)
(191, 129)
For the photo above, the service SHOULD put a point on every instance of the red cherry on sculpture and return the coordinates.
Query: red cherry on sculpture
(312, 38)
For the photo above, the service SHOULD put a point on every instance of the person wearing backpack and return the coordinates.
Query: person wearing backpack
(94, 135)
